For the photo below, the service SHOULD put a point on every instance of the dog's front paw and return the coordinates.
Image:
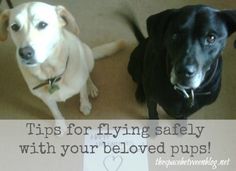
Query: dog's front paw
(86, 108)
(93, 91)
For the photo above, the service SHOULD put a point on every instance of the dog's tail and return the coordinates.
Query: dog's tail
(108, 49)
(135, 28)
(9, 3)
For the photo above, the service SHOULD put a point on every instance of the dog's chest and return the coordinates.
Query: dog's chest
(177, 105)
(70, 82)
(61, 90)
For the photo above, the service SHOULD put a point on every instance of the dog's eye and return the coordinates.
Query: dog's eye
(15, 27)
(42, 25)
(210, 38)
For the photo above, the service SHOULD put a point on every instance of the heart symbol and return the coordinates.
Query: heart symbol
(112, 163)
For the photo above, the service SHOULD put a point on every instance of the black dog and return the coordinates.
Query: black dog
(179, 65)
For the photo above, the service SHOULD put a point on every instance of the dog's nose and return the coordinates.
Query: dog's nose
(187, 71)
(26, 53)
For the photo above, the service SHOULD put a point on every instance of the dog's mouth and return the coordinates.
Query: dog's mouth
(184, 83)
(182, 87)
(29, 63)
(193, 83)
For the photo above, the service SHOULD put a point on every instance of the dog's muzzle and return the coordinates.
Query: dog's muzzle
(185, 80)
(187, 77)
(27, 55)
(186, 74)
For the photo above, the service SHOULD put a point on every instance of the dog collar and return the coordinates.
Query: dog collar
(191, 93)
(190, 96)
(52, 82)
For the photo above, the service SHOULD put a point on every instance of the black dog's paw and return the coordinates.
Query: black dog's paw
(182, 116)
(139, 94)
(154, 117)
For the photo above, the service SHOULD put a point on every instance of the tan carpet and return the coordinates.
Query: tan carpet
(99, 24)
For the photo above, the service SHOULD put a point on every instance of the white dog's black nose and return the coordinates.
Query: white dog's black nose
(26, 53)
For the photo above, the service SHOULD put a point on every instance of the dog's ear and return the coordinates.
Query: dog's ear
(4, 20)
(67, 20)
(156, 24)
(229, 17)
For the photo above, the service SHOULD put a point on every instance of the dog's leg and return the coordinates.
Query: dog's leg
(85, 105)
(139, 94)
(92, 89)
(59, 119)
(152, 109)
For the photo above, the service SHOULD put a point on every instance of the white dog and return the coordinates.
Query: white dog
(54, 62)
